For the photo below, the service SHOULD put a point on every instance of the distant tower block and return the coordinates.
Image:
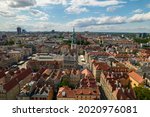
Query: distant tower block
(19, 30)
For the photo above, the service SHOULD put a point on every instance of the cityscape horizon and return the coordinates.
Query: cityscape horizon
(75, 50)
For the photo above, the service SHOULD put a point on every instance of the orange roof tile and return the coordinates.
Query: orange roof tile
(87, 73)
(102, 66)
(136, 77)
(87, 91)
(68, 92)
(47, 72)
(14, 81)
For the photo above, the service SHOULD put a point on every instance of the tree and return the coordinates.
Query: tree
(64, 82)
(138, 40)
(142, 93)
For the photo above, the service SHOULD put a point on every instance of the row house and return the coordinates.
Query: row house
(73, 75)
(86, 90)
(66, 93)
(35, 64)
(87, 94)
(97, 56)
(41, 87)
(90, 48)
(116, 85)
(98, 67)
(122, 57)
(11, 87)
(70, 60)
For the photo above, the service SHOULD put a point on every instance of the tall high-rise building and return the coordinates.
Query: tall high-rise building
(19, 30)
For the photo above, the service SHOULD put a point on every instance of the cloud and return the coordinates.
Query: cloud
(79, 6)
(96, 2)
(140, 17)
(53, 2)
(108, 20)
(22, 18)
(138, 11)
(39, 14)
(76, 10)
(21, 3)
(114, 8)
(105, 20)
(7, 14)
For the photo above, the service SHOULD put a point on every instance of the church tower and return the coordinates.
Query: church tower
(74, 41)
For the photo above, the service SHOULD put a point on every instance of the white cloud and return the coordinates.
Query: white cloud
(39, 14)
(43, 18)
(81, 5)
(54, 2)
(76, 10)
(96, 3)
(7, 14)
(5, 11)
(140, 17)
(105, 20)
(138, 11)
(114, 8)
(22, 18)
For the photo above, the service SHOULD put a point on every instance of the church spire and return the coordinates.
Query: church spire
(73, 37)
(73, 42)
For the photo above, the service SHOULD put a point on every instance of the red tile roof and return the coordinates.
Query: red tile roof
(117, 87)
(88, 82)
(99, 53)
(122, 56)
(87, 73)
(87, 91)
(101, 66)
(119, 69)
(14, 81)
(136, 77)
(68, 92)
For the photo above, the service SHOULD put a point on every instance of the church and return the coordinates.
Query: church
(71, 57)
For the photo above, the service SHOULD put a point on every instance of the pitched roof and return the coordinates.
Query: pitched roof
(87, 73)
(47, 72)
(99, 53)
(101, 66)
(14, 81)
(136, 77)
(87, 91)
(68, 93)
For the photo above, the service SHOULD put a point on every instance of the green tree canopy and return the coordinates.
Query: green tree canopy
(142, 93)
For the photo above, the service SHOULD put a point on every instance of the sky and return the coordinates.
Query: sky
(84, 15)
